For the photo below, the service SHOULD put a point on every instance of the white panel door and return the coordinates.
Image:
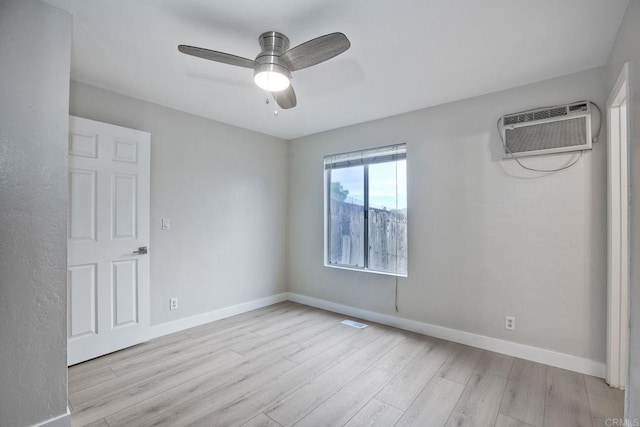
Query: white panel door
(108, 224)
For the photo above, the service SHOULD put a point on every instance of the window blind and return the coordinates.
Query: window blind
(366, 157)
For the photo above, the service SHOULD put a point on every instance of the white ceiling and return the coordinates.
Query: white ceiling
(405, 55)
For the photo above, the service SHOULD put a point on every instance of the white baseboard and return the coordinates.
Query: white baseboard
(63, 420)
(523, 351)
(201, 319)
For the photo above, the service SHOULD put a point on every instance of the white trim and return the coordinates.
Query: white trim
(523, 351)
(365, 270)
(63, 420)
(211, 316)
(618, 231)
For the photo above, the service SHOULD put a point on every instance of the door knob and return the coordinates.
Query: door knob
(142, 250)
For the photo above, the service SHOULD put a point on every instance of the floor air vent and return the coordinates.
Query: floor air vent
(354, 324)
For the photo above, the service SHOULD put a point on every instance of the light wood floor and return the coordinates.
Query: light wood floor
(291, 364)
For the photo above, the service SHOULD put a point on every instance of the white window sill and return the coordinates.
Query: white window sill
(365, 270)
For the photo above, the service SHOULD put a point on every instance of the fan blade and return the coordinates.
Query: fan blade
(213, 55)
(315, 51)
(286, 98)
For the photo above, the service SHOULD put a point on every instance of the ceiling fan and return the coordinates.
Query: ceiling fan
(273, 66)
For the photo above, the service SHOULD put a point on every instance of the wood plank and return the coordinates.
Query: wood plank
(261, 346)
(239, 328)
(183, 351)
(461, 364)
(525, 393)
(98, 423)
(336, 335)
(366, 336)
(109, 359)
(242, 319)
(504, 421)
(313, 320)
(245, 321)
(599, 386)
(99, 394)
(606, 403)
(156, 366)
(398, 358)
(480, 401)
(117, 400)
(604, 409)
(261, 420)
(79, 380)
(192, 400)
(375, 413)
(495, 363)
(309, 333)
(434, 404)
(344, 404)
(566, 399)
(408, 384)
(291, 409)
(262, 397)
(304, 316)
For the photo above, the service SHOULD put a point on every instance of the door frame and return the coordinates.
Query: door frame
(618, 233)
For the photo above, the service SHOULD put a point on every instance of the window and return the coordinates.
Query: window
(366, 210)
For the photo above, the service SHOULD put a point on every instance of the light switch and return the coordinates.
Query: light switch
(166, 223)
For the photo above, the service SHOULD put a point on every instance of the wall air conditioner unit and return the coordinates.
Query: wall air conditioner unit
(547, 130)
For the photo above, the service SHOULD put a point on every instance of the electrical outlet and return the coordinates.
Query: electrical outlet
(173, 304)
(510, 323)
(166, 224)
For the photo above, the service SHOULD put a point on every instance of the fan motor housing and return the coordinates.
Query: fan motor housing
(273, 45)
(274, 42)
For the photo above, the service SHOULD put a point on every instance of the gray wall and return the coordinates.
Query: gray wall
(486, 238)
(224, 190)
(627, 48)
(35, 43)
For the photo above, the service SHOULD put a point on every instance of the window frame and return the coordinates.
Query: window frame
(327, 214)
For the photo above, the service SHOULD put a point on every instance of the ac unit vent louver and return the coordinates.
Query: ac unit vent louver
(547, 130)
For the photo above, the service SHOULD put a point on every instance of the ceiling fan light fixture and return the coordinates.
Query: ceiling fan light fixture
(273, 66)
(271, 77)
(271, 81)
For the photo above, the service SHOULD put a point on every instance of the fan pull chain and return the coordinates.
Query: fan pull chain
(275, 110)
